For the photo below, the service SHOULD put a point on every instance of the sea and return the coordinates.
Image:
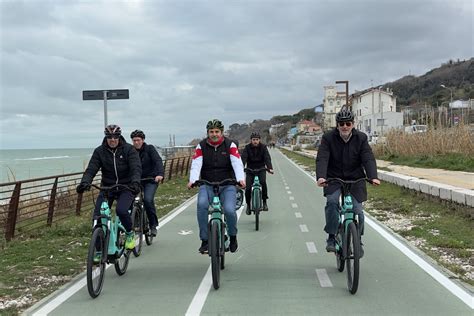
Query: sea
(23, 164)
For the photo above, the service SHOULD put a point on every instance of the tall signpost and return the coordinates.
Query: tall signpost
(105, 95)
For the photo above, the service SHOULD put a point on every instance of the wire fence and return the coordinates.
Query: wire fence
(35, 203)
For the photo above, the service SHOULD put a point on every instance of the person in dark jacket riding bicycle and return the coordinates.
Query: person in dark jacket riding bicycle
(119, 163)
(344, 153)
(216, 158)
(255, 155)
(152, 167)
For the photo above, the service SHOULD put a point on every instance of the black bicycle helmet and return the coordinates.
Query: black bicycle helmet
(215, 124)
(254, 135)
(137, 133)
(344, 115)
(113, 130)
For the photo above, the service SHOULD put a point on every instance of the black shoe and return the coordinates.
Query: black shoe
(331, 244)
(204, 247)
(153, 231)
(247, 210)
(265, 207)
(361, 250)
(233, 244)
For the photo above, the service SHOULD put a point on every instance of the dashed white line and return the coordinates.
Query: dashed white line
(298, 215)
(323, 278)
(287, 188)
(292, 198)
(294, 205)
(304, 228)
(289, 192)
(311, 247)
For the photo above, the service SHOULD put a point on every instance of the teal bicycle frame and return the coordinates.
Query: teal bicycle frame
(111, 227)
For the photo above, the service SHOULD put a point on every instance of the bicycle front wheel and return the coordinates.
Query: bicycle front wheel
(121, 262)
(137, 222)
(96, 259)
(257, 206)
(214, 254)
(352, 246)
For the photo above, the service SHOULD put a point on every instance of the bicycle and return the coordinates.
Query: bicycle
(256, 198)
(239, 198)
(347, 236)
(108, 234)
(218, 239)
(140, 223)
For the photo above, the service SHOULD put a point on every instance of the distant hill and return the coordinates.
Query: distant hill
(409, 90)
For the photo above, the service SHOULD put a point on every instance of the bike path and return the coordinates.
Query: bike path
(282, 269)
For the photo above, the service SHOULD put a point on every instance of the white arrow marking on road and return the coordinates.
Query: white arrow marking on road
(185, 232)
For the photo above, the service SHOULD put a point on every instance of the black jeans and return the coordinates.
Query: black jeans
(124, 201)
(149, 190)
(262, 177)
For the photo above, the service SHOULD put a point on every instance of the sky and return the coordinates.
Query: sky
(186, 62)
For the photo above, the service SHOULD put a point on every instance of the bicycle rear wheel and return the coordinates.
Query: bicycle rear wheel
(352, 245)
(137, 222)
(96, 270)
(214, 254)
(121, 261)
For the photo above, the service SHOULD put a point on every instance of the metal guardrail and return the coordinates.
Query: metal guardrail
(35, 203)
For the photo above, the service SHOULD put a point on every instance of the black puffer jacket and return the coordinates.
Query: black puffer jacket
(152, 164)
(119, 165)
(256, 156)
(338, 159)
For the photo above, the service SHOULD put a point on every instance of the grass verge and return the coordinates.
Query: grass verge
(442, 230)
(36, 264)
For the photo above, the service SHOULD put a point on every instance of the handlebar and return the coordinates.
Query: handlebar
(218, 183)
(329, 180)
(118, 185)
(253, 171)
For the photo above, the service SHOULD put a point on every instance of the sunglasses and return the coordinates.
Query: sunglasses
(348, 124)
(113, 137)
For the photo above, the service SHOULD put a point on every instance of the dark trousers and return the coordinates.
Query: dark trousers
(262, 177)
(149, 190)
(124, 201)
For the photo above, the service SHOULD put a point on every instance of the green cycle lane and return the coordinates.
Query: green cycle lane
(282, 269)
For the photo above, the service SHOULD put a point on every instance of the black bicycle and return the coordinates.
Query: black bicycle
(218, 239)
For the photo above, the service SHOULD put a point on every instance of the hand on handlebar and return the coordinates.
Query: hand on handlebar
(321, 182)
(375, 181)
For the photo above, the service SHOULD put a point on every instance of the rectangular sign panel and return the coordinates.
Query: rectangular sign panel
(99, 94)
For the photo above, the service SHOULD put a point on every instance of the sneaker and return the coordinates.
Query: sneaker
(331, 244)
(204, 247)
(153, 231)
(97, 257)
(265, 207)
(361, 250)
(233, 244)
(130, 241)
(247, 210)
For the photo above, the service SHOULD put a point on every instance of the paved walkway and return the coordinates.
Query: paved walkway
(459, 179)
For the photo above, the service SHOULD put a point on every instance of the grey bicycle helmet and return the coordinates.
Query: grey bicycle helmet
(137, 133)
(255, 135)
(344, 115)
(113, 130)
(215, 124)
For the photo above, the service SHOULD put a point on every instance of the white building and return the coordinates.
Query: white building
(376, 111)
(333, 101)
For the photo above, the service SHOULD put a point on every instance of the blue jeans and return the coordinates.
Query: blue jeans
(227, 196)
(149, 190)
(124, 201)
(332, 216)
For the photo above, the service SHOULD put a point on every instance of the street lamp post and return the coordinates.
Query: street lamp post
(450, 104)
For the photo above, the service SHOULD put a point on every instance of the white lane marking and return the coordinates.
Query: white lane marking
(289, 192)
(292, 198)
(287, 188)
(304, 228)
(61, 298)
(452, 287)
(298, 215)
(185, 232)
(323, 278)
(311, 247)
(294, 205)
(203, 291)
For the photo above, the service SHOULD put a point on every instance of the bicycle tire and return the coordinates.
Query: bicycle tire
(96, 271)
(239, 198)
(257, 206)
(222, 248)
(214, 254)
(137, 224)
(352, 253)
(146, 230)
(121, 262)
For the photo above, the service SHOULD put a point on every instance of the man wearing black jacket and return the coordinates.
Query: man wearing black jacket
(120, 164)
(256, 156)
(344, 153)
(153, 171)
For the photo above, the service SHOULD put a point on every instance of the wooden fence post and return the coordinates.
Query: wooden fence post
(13, 212)
(182, 166)
(171, 169)
(52, 201)
(188, 165)
(79, 204)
